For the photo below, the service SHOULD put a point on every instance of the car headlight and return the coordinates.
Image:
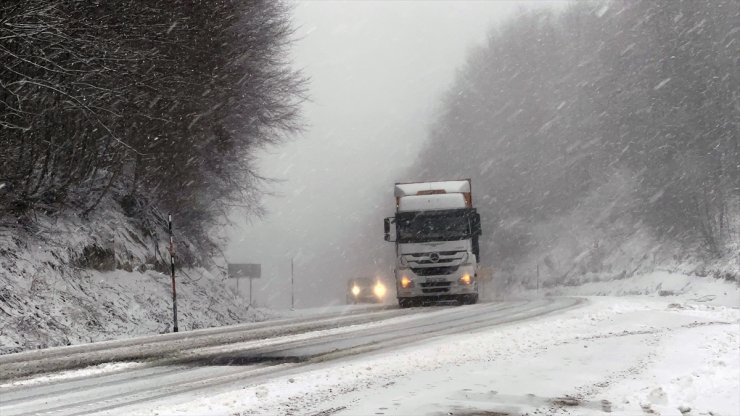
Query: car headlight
(355, 290)
(379, 290)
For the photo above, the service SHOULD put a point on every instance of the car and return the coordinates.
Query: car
(366, 290)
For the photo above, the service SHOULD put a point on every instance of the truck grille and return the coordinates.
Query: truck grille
(436, 290)
(434, 271)
(436, 284)
(435, 287)
(441, 253)
(441, 260)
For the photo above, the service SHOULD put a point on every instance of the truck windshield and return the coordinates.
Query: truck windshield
(417, 227)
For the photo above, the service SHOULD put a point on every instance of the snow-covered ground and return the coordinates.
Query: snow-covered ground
(57, 289)
(90, 371)
(659, 283)
(675, 354)
(96, 306)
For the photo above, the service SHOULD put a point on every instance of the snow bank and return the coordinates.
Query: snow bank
(659, 283)
(694, 371)
(91, 371)
(65, 280)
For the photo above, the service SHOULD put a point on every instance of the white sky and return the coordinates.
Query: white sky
(377, 72)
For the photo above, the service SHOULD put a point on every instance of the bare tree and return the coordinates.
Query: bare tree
(152, 103)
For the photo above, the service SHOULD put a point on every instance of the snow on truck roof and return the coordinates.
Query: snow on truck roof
(431, 202)
(450, 187)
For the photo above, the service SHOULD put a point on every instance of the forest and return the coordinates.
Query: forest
(584, 127)
(156, 105)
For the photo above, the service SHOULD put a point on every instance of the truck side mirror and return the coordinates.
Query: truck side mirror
(476, 224)
(387, 229)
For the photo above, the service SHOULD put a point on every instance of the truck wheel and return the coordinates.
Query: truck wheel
(404, 303)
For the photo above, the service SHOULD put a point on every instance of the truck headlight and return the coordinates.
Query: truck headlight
(379, 290)
(466, 279)
(355, 290)
(406, 282)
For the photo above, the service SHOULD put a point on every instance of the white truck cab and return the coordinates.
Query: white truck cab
(436, 239)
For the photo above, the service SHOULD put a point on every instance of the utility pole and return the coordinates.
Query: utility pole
(292, 292)
(172, 269)
(250, 291)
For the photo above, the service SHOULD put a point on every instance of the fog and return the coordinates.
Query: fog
(600, 139)
(377, 73)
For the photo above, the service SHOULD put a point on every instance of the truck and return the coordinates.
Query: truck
(436, 242)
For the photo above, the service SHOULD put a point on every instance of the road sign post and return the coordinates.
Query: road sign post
(248, 270)
(172, 272)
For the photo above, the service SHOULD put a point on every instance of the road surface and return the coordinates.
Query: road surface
(153, 370)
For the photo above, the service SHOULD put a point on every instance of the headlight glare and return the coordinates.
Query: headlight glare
(379, 290)
(406, 282)
(466, 279)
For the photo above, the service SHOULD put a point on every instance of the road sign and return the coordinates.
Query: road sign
(248, 270)
(252, 271)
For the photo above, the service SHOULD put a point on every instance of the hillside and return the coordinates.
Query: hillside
(601, 140)
(65, 280)
(114, 112)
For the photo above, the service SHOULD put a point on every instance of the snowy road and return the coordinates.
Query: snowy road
(634, 355)
(53, 359)
(222, 360)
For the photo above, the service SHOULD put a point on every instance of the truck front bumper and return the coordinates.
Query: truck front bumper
(438, 287)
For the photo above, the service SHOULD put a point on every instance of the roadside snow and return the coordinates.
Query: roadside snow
(624, 355)
(91, 371)
(696, 371)
(98, 306)
(56, 288)
(699, 290)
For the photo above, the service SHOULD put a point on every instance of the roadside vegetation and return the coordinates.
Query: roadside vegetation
(603, 138)
(112, 115)
(156, 105)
